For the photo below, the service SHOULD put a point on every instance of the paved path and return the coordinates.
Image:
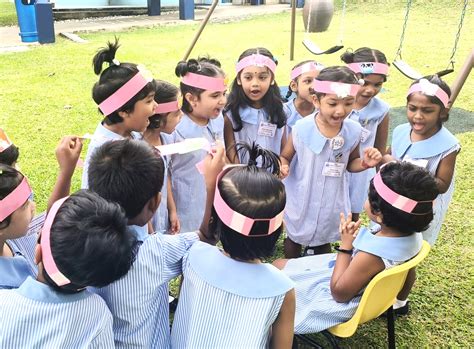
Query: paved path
(10, 40)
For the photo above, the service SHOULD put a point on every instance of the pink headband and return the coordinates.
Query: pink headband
(396, 200)
(15, 199)
(305, 68)
(204, 82)
(48, 261)
(258, 60)
(237, 221)
(168, 107)
(126, 92)
(429, 89)
(338, 88)
(369, 68)
(5, 142)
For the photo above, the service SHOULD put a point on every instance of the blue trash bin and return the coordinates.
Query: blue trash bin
(25, 11)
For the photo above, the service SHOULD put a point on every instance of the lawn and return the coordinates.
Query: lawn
(46, 93)
(7, 13)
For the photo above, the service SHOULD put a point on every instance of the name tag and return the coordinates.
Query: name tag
(333, 169)
(420, 162)
(364, 135)
(267, 129)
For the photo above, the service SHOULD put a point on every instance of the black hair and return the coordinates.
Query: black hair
(202, 66)
(290, 92)
(336, 74)
(435, 79)
(127, 171)
(256, 193)
(90, 242)
(164, 93)
(10, 155)
(10, 178)
(114, 77)
(365, 54)
(272, 101)
(410, 181)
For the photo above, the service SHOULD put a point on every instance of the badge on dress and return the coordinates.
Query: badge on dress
(267, 129)
(333, 169)
(337, 142)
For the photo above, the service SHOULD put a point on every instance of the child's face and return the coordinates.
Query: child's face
(424, 116)
(255, 82)
(172, 119)
(372, 86)
(137, 120)
(209, 105)
(20, 219)
(332, 109)
(303, 84)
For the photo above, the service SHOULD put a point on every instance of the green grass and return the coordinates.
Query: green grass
(7, 13)
(45, 93)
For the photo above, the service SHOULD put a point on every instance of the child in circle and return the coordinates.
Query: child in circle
(18, 235)
(315, 159)
(167, 116)
(371, 112)
(229, 296)
(130, 173)
(9, 152)
(254, 112)
(203, 88)
(425, 142)
(124, 94)
(302, 77)
(329, 287)
(84, 242)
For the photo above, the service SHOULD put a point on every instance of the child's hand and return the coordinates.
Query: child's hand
(213, 165)
(372, 157)
(284, 171)
(175, 225)
(348, 230)
(67, 153)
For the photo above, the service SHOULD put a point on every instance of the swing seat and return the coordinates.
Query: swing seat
(314, 49)
(406, 70)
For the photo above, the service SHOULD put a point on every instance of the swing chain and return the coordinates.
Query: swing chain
(341, 28)
(458, 34)
(402, 37)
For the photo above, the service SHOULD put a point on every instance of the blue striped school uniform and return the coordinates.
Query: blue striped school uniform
(101, 135)
(160, 220)
(369, 117)
(251, 120)
(139, 301)
(314, 200)
(316, 309)
(292, 115)
(188, 185)
(225, 303)
(36, 316)
(428, 154)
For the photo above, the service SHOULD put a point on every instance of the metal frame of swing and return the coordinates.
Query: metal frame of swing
(410, 72)
(312, 47)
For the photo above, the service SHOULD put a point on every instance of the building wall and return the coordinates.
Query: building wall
(101, 3)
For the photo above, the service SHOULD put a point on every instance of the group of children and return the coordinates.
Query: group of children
(169, 172)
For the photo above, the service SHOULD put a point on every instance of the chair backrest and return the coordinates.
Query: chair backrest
(380, 294)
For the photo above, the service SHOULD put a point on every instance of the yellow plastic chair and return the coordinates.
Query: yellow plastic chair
(378, 296)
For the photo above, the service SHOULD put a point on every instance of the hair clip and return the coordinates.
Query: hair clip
(361, 82)
(115, 61)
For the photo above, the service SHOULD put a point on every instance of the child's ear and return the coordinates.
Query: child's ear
(123, 114)
(239, 82)
(154, 202)
(190, 98)
(38, 254)
(444, 115)
(316, 101)
(293, 86)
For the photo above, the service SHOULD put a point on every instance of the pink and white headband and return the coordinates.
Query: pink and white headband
(5, 142)
(168, 107)
(396, 200)
(48, 261)
(257, 60)
(15, 199)
(340, 89)
(430, 89)
(369, 68)
(237, 221)
(126, 92)
(305, 68)
(204, 82)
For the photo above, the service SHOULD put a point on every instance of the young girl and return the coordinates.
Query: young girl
(319, 150)
(424, 142)
(9, 152)
(372, 114)
(255, 108)
(84, 242)
(302, 77)
(124, 94)
(329, 287)
(203, 88)
(230, 298)
(167, 116)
